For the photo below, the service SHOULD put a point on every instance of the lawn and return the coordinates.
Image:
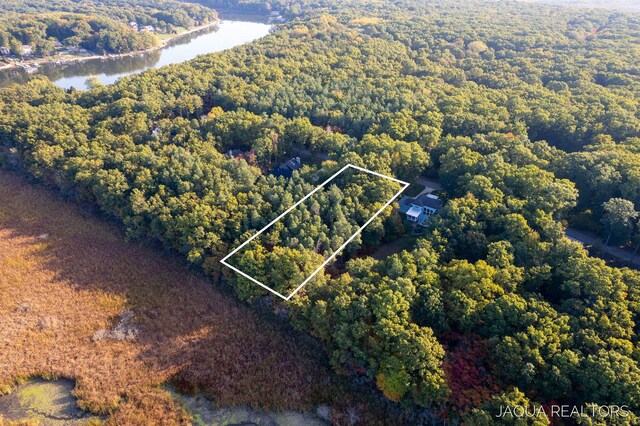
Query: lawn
(65, 275)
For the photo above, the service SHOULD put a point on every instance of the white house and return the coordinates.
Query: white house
(421, 208)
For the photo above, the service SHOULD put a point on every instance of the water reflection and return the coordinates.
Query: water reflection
(224, 35)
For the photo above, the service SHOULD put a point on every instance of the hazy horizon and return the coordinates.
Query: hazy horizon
(624, 5)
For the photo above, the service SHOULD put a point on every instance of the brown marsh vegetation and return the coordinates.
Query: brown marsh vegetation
(64, 275)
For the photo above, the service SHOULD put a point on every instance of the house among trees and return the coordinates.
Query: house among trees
(420, 209)
(248, 156)
(275, 17)
(4, 51)
(234, 153)
(287, 169)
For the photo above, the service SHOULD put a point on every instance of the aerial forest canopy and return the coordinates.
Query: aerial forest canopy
(527, 114)
(100, 26)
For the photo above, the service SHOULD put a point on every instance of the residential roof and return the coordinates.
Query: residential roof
(286, 169)
(414, 211)
(405, 201)
(428, 200)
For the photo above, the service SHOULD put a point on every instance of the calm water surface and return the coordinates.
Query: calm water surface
(225, 35)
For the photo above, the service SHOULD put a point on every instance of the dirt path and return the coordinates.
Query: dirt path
(76, 301)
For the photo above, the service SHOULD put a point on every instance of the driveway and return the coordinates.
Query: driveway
(598, 248)
(430, 185)
(307, 152)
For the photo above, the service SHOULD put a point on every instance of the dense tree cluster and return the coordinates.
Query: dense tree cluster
(607, 174)
(291, 249)
(101, 26)
(525, 120)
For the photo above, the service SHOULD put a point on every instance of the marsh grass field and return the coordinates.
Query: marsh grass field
(123, 319)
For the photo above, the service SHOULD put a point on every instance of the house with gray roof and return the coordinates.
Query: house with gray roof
(420, 209)
(287, 169)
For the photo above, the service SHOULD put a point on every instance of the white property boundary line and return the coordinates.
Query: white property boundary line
(335, 253)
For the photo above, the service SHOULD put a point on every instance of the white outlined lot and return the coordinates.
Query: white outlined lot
(335, 253)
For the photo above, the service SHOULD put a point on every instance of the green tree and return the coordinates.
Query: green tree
(618, 219)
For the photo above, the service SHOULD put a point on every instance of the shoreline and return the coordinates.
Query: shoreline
(27, 65)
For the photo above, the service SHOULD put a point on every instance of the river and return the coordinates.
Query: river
(230, 31)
